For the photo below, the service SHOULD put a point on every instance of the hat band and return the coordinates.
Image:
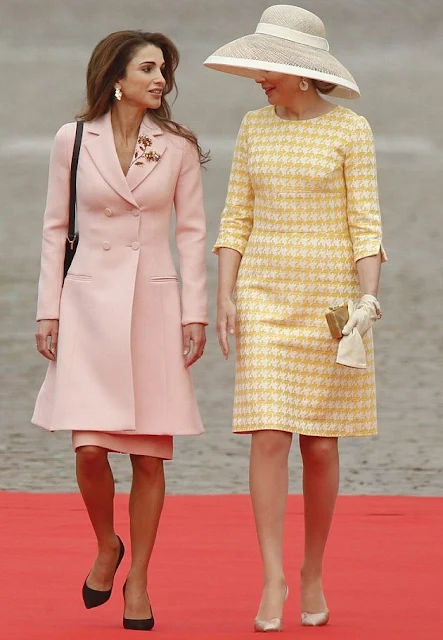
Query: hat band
(293, 35)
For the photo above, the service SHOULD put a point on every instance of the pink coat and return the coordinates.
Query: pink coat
(119, 364)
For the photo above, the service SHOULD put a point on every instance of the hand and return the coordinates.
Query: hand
(196, 334)
(226, 315)
(46, 338)
(364, 316)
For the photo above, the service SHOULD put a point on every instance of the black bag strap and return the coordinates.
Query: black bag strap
(73, 181)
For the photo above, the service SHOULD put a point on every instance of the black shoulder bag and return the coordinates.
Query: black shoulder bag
(72, 238)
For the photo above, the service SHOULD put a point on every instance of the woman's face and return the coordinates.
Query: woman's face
(144, 83)
(279, 88)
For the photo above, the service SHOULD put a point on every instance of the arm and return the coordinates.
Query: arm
(190, 238)
(235, 229)
(363, 210)
(369, 274)
(237, 217)
(228, 264)
(364, 222)
(55, 228)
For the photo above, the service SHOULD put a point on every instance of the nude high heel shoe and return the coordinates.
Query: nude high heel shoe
(318, 619)
(314, 619)
(274, 624)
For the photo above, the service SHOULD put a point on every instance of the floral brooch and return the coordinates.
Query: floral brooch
(143, 153)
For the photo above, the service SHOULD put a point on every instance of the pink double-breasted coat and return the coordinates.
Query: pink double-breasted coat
(120, 365)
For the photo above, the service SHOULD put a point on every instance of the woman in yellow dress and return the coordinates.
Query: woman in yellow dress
(300, 232)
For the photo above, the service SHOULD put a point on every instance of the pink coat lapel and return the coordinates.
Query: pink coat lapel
(142, 166)
(101, 148)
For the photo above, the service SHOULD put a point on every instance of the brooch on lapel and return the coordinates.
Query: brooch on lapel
(143, 153)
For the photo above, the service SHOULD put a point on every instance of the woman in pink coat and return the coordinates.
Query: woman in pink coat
(119, 331)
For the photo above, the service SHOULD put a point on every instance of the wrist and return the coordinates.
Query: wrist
(370, 297)
(224, 296)
(370, 301)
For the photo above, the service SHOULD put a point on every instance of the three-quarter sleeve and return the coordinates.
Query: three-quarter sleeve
(55, 230)
(237, 217)
(190, 236)
(363, 208)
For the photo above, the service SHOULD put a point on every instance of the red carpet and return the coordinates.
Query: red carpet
(383, 570)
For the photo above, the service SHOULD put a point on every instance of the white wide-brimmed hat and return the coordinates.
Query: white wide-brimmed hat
(289, 40)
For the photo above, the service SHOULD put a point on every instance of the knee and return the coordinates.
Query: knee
(147, 467)
(318, 451)
(90, 459)
(271, 444)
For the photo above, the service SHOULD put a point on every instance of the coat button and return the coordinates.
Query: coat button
(135, 246)
(108, 211)
(135, 212)
(106, 245)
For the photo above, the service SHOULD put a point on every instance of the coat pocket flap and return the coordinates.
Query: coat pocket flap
(173, 278)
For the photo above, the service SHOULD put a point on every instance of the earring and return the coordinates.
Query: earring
(118, 93)
(304, 85)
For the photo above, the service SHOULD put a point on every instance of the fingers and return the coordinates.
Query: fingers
(194, 334)
(231, 322)
(186, 341)
(43, 347)
(222, 336)
(349, 326)
(53, 343)
(225, 325)
(197, 352)
(46, 338)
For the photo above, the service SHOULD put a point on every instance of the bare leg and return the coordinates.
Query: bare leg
(96, 483)
(268, 481)
(145, 507)
(320, 488)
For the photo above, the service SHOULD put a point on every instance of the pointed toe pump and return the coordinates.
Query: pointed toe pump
(146, 624)
(94, 598)
(266, 626)
(272, 625)
(314, 619)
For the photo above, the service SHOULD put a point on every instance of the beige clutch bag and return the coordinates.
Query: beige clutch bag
(336, 318)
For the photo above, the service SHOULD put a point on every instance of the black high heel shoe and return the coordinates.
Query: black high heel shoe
(94, 598)
(138, 625)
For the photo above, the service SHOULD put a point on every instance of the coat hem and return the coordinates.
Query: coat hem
(128, 432)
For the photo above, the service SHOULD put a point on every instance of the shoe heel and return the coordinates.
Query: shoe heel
(138, 625)
(93, 597)
(314, 619)
(272, 625)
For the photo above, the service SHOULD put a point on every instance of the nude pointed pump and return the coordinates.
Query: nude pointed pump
(314, 619)
(274, 624)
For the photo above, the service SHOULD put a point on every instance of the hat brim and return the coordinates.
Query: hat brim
(250, 54)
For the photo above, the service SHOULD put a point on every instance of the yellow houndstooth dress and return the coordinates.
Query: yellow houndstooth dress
(302, 208)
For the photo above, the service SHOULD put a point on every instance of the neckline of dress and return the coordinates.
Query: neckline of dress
(305, 120)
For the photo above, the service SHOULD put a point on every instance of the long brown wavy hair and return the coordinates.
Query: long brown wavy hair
(108, 64)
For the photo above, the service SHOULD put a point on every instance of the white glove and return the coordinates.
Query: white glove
(351, 350)
(364, 316)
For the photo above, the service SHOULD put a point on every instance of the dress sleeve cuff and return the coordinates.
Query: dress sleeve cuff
(233, 243)
(367, 251)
